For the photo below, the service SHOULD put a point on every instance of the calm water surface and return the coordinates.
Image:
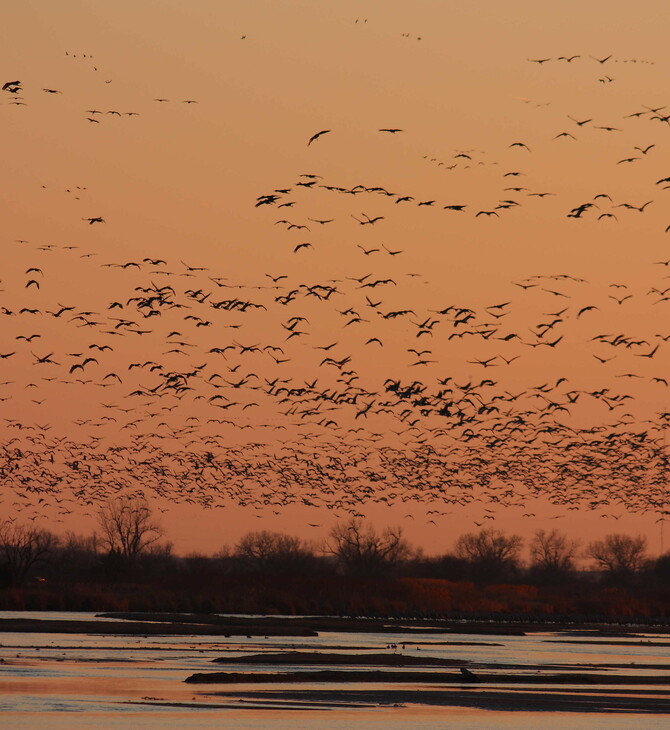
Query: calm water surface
(82, 681)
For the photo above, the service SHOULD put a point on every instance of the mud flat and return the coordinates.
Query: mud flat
(330, 623)
(147, 628)
(608, 642)
(307, 658)
(493, 627)
(380, 676)
(184, 624)
(592, 700)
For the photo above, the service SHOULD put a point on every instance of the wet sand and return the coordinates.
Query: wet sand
(156, 623)
(292, 624)
(545, 700)
(608, 642)
(150, 628)
(331, 659)
(530, 676)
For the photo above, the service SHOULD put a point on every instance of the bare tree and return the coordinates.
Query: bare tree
(619, 554)
(489, 544)
(273, 551)
(552, 552)
(363, 550)
(128, 527)
(491, 553)
(21, 547)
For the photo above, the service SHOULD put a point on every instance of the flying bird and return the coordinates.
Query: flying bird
(316, 136)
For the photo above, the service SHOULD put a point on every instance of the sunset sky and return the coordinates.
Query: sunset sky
(477, 333)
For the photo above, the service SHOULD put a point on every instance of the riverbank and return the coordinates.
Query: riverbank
(163, 664)
(157, 623)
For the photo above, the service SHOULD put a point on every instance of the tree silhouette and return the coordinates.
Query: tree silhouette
(618, 554)
(128, 528)
(365, 552)
(273, 551)
(552, 553)
(21, 547)
(492, 554)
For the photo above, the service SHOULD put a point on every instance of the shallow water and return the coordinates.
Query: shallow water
(77, 681)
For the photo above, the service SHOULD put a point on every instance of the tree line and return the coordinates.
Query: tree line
(129, 550)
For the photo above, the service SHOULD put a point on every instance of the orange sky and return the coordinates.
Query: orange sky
(176, 184)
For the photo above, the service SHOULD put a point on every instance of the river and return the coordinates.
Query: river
(109, 681)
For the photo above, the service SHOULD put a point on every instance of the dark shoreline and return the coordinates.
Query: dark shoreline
(498, 626)
(381, 677)
(155, 623)
(146, 628)
(506, 700)
(316, 658)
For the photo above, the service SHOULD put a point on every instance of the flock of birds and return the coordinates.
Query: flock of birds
(194, 385)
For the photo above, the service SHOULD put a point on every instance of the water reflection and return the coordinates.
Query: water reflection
(79, 680)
